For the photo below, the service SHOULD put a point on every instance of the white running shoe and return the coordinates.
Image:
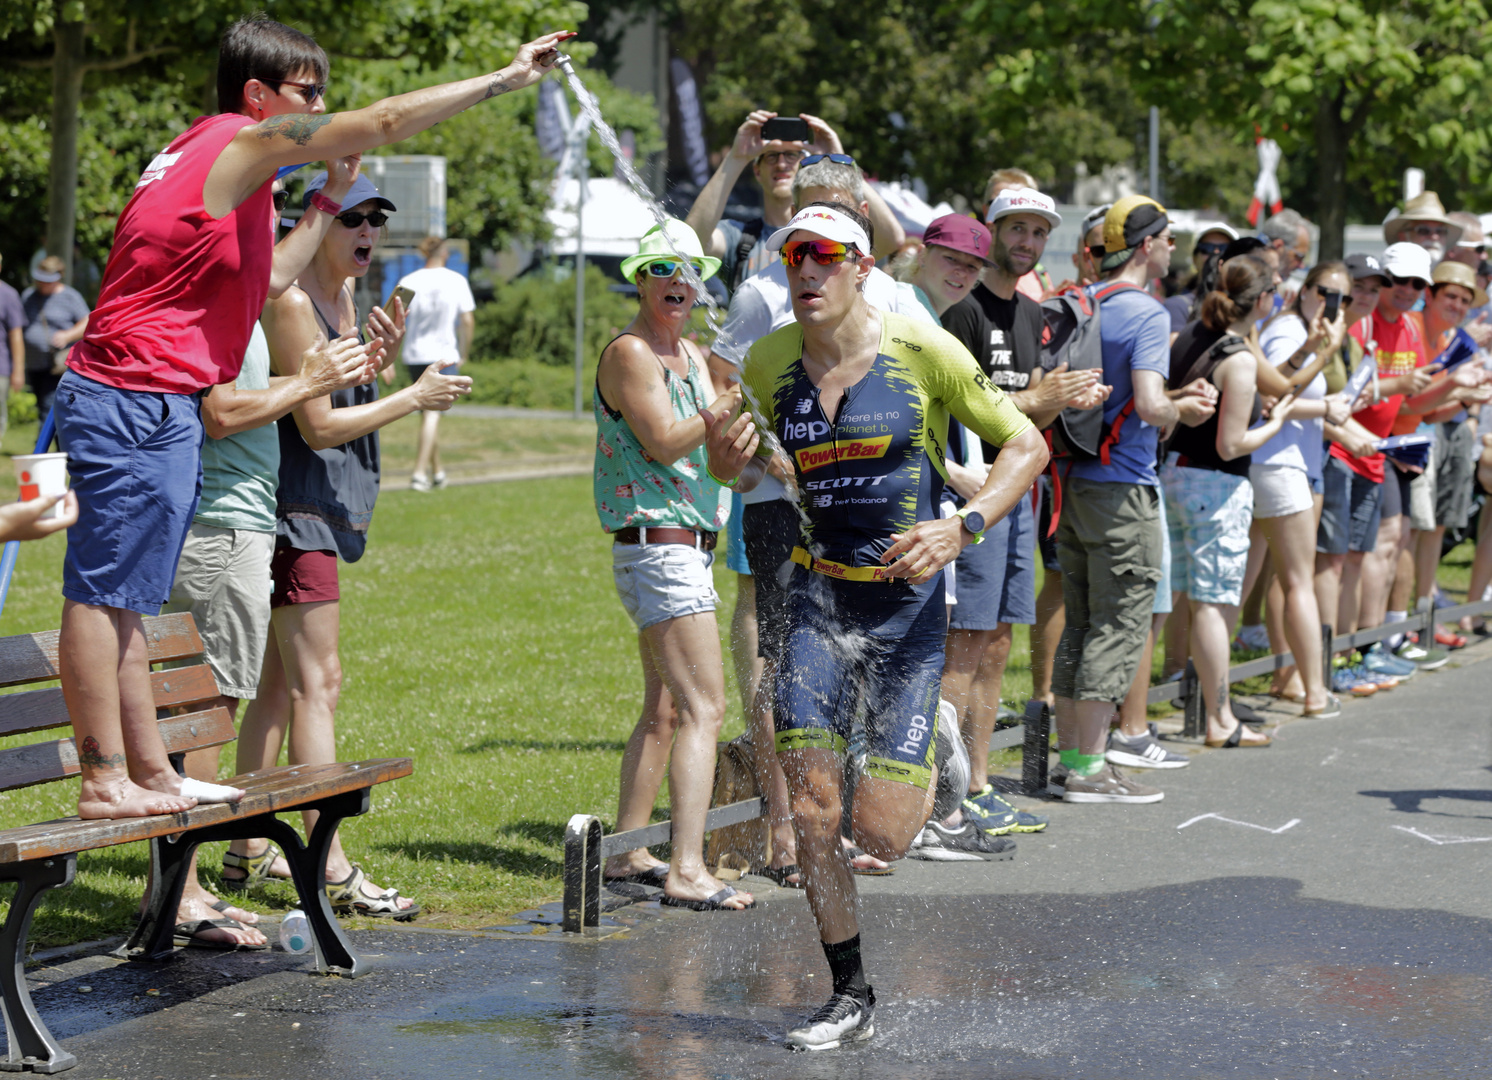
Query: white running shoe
(844, 1019)
(952, 759)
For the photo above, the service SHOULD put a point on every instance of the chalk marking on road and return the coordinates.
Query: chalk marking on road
(1248, 824)
(1441, 840)
(1332, 756)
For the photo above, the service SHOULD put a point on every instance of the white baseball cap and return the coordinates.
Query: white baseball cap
(1202, 228)
(831, 224)
(1023, 200)
(1406, 260)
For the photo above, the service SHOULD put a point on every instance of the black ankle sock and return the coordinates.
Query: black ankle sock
(844, 963)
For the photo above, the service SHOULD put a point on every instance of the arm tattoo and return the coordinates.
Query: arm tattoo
(495, 87)
(297, 127)
(89, 754)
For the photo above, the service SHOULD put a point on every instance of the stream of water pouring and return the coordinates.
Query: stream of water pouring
(639, 188)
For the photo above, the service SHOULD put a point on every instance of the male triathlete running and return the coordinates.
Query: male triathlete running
(860, 401)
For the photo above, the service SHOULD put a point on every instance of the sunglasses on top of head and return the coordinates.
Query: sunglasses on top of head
(309, 91)
(838, 159)
(823, 252)
(352, 219)
(1418, 283)
(667, 268)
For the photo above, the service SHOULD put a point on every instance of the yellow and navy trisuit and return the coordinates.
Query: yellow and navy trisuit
(873, 469)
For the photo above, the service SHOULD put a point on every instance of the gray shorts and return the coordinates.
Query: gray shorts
(658, 582)
(223, 579)
(1455, 457)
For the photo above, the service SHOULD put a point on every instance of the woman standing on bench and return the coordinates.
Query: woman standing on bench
(328, 485)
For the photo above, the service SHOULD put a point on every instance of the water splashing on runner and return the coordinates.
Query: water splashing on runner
(713, 314)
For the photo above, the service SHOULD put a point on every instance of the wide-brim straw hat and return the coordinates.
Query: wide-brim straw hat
(680, 240)
(1423, 207)
(1450, 272)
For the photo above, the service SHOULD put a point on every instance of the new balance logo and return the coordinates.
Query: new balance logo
(803, 406)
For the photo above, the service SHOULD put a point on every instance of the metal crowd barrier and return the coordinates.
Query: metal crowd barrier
(586, 847)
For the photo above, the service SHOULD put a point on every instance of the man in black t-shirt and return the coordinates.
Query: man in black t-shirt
(995, 582)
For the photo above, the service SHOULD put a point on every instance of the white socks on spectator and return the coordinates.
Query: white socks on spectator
(1392, 644)
(204, 792)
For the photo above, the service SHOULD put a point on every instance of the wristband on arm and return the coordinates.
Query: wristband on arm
(723, 483)
(322, 203)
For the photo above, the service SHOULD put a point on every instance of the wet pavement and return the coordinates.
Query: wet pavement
(1319, 908)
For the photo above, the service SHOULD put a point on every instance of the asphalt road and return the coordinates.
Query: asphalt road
(1319, 908)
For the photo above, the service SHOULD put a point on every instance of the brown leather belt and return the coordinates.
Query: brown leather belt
(705, 541)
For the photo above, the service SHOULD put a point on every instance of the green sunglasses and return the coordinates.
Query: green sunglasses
(667, 268)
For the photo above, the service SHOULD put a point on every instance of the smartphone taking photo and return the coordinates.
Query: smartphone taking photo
(787, 129)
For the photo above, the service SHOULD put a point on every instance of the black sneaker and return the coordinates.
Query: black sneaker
(966, 842)
(845, 1018)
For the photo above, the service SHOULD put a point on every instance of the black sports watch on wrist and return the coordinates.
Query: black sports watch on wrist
(973, 521)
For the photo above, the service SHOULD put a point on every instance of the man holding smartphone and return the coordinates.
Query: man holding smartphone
(772, 146)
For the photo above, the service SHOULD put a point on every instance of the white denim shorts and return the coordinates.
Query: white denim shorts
(1280, 490)
(663, 581)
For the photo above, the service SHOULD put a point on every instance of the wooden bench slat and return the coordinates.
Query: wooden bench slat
(57, 759)
(270, 790)
(33, 657)
(38, 710)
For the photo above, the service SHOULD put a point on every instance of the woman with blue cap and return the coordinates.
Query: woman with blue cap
(664, 511)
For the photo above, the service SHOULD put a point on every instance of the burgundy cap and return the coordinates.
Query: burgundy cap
(961, 233)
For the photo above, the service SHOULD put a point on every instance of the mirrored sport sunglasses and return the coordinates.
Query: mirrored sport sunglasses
(1418, 283)
(352, 219)
(667, 268)
(824, 252)
(1211, 247)
(309, 91)
(838, 159)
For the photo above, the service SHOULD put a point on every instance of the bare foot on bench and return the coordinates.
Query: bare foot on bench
(120, 797)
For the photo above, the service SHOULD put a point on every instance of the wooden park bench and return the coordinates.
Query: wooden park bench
(43, 856)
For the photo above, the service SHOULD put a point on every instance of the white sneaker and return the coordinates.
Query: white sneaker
(844, 1019)
(953, 763)
(419, 482)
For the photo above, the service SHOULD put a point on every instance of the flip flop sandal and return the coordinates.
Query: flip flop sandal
(255, 868)
(779, 875)
(710, 903)
(854, 852)
(184, 935)
(1235, 741)
(347, 895)
(653, 875)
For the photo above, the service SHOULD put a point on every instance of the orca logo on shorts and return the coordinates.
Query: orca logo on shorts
(815, 457)
(917, 733)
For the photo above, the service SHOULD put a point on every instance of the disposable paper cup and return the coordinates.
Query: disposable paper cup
(41, 474)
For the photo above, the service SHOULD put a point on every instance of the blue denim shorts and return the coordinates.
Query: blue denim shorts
(995, 581)
(1350, 512)
(135, 460)
(658, 582)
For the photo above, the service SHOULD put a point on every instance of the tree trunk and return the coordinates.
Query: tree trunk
(1331, 163)
(67, 91)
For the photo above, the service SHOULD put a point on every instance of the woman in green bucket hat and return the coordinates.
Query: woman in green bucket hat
(664, 512)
